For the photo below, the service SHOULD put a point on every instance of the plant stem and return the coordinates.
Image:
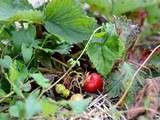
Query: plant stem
(134, 76)
(6, 96)
(74, 63)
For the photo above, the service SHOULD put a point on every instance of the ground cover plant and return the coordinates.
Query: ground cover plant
(79, 59)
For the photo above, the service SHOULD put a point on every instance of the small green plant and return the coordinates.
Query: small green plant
(42, 41)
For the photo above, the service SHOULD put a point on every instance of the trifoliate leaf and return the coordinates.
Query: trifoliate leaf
(26, 52)
(40, 80)
(104, 55)
(66, 20)
(79, 106)
(6, 62)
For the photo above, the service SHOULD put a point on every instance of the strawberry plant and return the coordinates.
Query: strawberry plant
(48, 47)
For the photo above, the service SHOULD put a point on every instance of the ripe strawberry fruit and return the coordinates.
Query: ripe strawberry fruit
(93, 83)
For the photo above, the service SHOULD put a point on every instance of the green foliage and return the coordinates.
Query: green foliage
(48, 108)
(26, 52)
(27, 109)
(66, 20)
(11, 11)
(17, 110)
(120, 80)
(4, 116)
(104, 54)
(23, 36)
(30, 38)
(153, 14)
(102, 6)
(40, 80)
(32, 106)
(118, 7)
(122, 6)
(79, 106)
(6, 62)
(16, 76)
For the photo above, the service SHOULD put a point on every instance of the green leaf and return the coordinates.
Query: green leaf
(66, 20)
(31, 16)
(17, 74)
(6, 62)
(40, 80)
(153, 14)
(26, 52)
(79, 106)
(123, 6)
(18, 10)
(102, 6)
(17, 110)
(155, 61)
(117, 7)
(6, 10)
(13, 73)
(104, 55)
(2, 93)
(120, 79)
(23, 36)
(48, 108)
(32, 106)
(26, 109)
(62, 48)
(4, 116)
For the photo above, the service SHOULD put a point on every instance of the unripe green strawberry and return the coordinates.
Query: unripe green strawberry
(66, 93)
(60, 88)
